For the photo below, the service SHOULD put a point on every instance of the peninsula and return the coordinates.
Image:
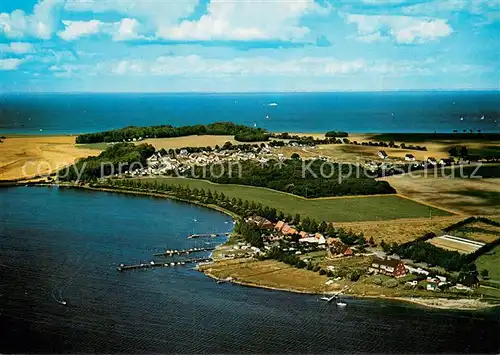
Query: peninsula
(316, 234)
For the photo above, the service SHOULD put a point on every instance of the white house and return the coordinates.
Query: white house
(382, 154)
(409, 157)
(432, 161)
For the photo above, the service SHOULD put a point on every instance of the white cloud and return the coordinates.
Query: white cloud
(77, 29)
(40, 24)
(403, 29)
(10, 63)
(127, 29)
(17, 48)
(194, 65)
(244, 20)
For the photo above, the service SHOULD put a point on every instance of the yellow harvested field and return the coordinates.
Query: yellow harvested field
(464, 196)
(400, 231)
(352, 153)
(23, 157)
(445, 243)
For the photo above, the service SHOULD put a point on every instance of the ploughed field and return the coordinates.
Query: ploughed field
(359, 208)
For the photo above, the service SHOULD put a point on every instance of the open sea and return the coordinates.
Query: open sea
(418, 111)
(58, 243)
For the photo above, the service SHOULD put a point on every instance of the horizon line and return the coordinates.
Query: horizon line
(254, 92)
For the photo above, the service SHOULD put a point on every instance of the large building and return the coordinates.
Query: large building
(389, 267)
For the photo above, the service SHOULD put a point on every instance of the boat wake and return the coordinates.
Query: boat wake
(59, 299)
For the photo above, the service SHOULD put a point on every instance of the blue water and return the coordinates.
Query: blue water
(70, 241)
(295, 112)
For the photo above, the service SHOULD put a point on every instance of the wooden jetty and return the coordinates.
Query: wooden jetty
(185, 251)
(208, 235)
(152, 264)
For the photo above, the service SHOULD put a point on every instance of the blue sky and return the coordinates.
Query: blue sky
(239, 46)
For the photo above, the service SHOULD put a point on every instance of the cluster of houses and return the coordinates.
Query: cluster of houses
(431, 161)
(159, 164)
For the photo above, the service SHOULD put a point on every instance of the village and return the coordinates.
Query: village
(180, 160)
(350, 264)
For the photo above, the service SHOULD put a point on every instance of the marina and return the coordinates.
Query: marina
(208, 235)
(152, 264)
(184, 252)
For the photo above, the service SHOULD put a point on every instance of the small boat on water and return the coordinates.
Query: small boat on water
(272, 104)
(340, 303)
(59, 299)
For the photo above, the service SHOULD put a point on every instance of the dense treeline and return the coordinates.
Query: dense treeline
(421, 251)
(469, 220)
(250, 232)
(336, 134)
(296, 177)
(117, 158)
(240, 132)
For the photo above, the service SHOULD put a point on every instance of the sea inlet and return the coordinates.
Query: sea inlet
(61, 244)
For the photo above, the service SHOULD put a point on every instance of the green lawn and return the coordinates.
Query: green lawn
(368, 208)
(491, 262)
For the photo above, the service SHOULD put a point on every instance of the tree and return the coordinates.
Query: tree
(322, 227)
(385, 247)
(355, 275)
(485, 273)
(371, 241)
(296, 220)
(330, 230)
(464, 152)
(295, 156)
(453, 151)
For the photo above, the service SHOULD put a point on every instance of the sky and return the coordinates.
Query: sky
(248, 45)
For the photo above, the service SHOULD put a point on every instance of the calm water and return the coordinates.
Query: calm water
(69, 241)
(304, 112)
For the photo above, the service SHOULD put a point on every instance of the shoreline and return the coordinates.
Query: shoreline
(437, 303)
(460, 304)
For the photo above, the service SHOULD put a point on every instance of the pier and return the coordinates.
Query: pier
(208, 235)
(185, 251)
(152, 264)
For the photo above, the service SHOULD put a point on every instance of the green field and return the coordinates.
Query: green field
(491, 262)
(369, 208)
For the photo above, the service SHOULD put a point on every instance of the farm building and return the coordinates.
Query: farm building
(336, 248)
(389, 267)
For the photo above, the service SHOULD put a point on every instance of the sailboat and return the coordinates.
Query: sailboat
(267, 117)
(482, 117)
